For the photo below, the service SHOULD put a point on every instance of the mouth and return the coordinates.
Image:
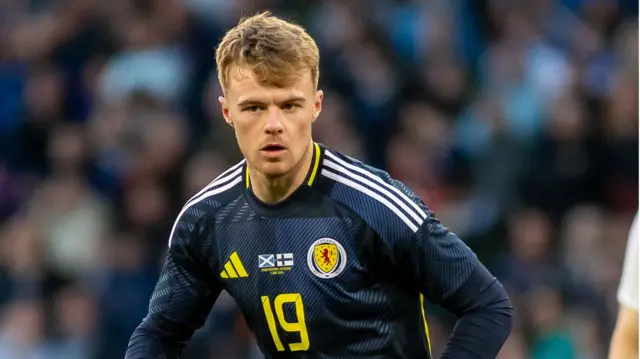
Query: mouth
(272, 149)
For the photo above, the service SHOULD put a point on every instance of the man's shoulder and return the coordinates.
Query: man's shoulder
(223, 190)
(373, 194)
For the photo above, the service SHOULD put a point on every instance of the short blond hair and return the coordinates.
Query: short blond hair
(278, 51)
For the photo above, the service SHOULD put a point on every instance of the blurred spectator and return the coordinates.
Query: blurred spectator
(551, 338)
(74, 324)
(22, 334)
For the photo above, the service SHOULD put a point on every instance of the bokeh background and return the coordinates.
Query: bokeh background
(516, 121)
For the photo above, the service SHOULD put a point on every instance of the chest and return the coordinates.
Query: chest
(311, 256)
(299, 281)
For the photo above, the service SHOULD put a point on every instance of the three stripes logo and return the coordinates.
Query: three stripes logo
(222, 183)
(233, 268)
(370, 184)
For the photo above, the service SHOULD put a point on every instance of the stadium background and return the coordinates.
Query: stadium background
(516, 121)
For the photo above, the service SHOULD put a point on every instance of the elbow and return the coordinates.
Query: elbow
(165, 330)
(501, 301)
(142, 343)
(495, 307)
(483, 325)
(495, 316)
(483, 298)
(501, 308)
(150, 340)
(146, 331)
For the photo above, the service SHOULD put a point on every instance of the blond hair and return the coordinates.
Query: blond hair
(277, 51)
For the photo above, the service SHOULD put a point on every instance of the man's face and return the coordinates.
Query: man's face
(272, 125)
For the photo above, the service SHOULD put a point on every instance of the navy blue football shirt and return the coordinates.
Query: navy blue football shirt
(340, 269)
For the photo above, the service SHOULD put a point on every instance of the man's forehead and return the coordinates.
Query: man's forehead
(244, 85)
(268, 95)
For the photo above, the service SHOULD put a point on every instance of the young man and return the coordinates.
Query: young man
(325, 256)
(624, 343)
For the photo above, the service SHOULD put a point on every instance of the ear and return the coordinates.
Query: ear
(317, 105)
(225, 110)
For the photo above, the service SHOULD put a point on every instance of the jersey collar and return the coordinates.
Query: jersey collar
(312, 173)
(290, 203)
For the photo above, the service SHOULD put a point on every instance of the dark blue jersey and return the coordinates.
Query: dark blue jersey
(340, 269)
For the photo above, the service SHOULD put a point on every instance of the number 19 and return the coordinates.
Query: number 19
(297, 326)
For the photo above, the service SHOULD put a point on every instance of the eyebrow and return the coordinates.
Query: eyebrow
(251, 102)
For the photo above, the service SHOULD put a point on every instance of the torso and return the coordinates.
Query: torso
(308, 283)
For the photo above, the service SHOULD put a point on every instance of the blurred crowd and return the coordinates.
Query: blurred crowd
(516, 121)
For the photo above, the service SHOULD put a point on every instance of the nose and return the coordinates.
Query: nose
(273, 125)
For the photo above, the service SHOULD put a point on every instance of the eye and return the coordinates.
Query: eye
(253, 108)
(290, 106)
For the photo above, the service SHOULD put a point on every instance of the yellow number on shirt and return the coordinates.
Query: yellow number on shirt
(297, 326)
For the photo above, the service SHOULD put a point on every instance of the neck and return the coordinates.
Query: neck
(275, 189)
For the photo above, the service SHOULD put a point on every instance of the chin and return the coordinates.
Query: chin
(275, 169)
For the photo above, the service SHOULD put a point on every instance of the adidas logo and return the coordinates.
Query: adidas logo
(233, 268)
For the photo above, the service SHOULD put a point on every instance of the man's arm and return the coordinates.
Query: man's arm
(424, 256)
(624, 343)
(439, 265)
(182, 299)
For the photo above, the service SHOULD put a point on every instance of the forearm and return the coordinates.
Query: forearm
(624, 343)
(623, 346)
(485, 318)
